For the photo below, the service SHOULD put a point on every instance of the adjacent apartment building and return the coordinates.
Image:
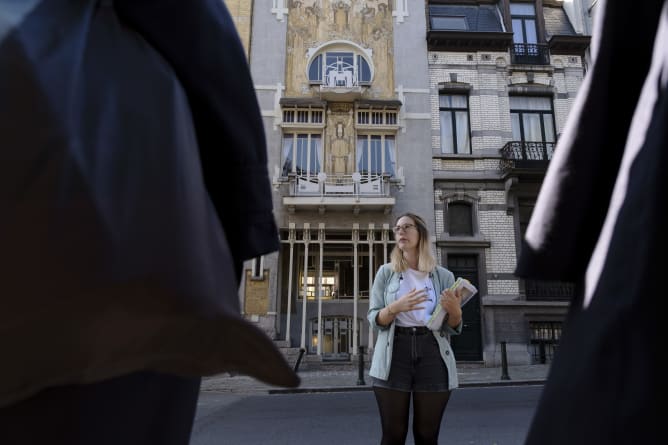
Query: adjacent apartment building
(373, 108)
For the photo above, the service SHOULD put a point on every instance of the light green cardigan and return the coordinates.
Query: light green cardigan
(384, 291)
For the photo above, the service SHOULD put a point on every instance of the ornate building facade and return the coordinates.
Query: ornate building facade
(372, 108)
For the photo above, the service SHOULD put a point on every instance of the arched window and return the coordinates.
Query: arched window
(340, 64)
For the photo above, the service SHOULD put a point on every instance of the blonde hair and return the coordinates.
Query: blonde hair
(426, 260)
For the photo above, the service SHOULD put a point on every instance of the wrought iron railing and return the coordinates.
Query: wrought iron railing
(548, 290)
(529, 155)
(545, 337)
(529, 54)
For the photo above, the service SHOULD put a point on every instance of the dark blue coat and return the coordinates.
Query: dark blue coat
(133, 186)
(600, 219)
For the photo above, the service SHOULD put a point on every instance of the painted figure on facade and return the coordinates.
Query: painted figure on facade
(339, 151)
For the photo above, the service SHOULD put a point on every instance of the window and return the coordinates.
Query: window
(338, 271)
(365, 117)
(460, 215)
(339, 69)
(301, 154)
(376, 155)
(523, 17)
(315, 70)
(526, 49)
(532, 119)
(257, 268)
(460, 219)
(455, 133)
(302, 116)
(448, 23)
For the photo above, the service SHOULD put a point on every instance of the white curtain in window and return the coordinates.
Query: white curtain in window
(462, 125)
(447, 132)
(361, 154)
(390, 157)
(532, 132)
(548, 124)
(376, 154)
(316, 150)
(515, 123)
(308, 155)
(452, 101)
(455, 136)
(530, 103)
(287, 154)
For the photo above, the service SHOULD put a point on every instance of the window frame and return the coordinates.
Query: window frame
(310, 136)
(523, 18)
(460, 203)
(464, 198)
(291, 116)
(541, 113)
(371, 136)
(362, 63)
(453, 110)
(460, 18)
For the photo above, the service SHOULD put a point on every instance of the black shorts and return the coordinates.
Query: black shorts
(417, 364)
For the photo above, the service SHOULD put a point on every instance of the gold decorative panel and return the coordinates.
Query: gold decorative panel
(341, 140)
(364, 23)
(256, 298)
(241, 12)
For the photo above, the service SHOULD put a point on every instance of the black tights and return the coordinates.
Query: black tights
(428, 409)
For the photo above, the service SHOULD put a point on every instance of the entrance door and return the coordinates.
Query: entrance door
(337, 337)
(468, 345)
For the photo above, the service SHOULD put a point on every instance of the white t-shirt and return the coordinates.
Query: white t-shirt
(413, 279)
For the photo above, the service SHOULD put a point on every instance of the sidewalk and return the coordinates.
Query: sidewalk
(329, 381)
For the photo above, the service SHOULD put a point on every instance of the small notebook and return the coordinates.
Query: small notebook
(468, 291)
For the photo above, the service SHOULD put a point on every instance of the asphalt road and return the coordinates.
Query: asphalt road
(475, 416)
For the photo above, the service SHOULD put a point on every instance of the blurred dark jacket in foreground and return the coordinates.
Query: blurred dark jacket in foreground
(600, 219)
(133, 184)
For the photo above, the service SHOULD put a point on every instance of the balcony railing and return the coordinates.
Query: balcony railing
(544, 340)
(526, 155)
(548, 290)
(355, 185)
(529, 54)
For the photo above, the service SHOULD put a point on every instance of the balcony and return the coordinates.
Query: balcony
(356, 192)
(529, 54)
(521, 157)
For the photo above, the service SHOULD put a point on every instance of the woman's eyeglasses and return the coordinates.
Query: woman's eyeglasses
(404, 227)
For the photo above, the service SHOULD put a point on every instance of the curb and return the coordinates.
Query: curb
(369, 388)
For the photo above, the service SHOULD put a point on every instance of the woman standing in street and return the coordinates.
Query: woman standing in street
(410, 359)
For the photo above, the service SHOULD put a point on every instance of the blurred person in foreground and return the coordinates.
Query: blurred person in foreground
(133, 186)
(600, 221)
